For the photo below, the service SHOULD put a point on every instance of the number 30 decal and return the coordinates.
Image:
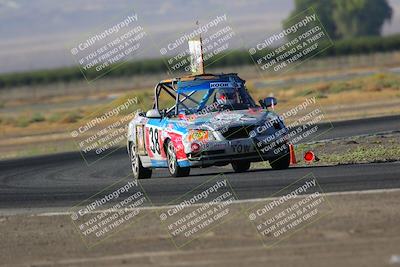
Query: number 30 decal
(154, 141)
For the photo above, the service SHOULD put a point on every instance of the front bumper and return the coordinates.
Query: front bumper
(220, 153)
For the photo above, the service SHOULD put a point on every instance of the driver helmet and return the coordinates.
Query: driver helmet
(227, 96)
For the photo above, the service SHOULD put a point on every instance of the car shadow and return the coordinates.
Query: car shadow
(226, 171)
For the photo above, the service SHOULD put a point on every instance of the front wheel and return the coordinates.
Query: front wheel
(240, 166)
(280, 163)
(139, 172)
(174, 169)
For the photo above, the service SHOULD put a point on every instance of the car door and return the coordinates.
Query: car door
(153, 133)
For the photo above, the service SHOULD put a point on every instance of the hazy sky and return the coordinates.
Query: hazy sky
(39, 34)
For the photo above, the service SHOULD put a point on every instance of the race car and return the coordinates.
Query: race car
(209, 120)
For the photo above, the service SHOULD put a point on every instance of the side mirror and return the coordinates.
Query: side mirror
(268, 102)
(153, 114)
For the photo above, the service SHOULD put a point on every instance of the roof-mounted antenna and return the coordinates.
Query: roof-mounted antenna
(196, 54)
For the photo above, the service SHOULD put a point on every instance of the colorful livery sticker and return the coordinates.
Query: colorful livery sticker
(198, 135)
(177, 141)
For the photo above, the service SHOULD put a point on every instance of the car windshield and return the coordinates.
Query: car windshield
(232, 98)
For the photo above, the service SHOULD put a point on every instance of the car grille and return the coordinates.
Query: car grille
(237, 132)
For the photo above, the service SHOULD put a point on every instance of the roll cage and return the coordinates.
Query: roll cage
(171, 88)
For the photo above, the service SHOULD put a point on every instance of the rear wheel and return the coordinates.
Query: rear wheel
(174, 169)
(240, 166)
(280, 163)
(139, 172)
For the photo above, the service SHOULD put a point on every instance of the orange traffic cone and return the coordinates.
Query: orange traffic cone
(293, 160)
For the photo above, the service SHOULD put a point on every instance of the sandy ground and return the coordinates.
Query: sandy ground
(361, 230)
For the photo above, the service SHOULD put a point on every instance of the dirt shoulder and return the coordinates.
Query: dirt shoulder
(361, 230)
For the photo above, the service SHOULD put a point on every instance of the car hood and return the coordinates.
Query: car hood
(218, 120)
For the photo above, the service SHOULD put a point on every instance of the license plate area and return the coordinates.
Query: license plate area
(241, 147)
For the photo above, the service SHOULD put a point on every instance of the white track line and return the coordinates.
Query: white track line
(359, 192)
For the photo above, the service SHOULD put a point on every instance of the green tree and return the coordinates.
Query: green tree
(323, 8)
(355, 18)
(347, 18)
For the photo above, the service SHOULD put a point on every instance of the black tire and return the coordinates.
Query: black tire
(139, 172)
(241, 166)
(280, 163)
(174, 169)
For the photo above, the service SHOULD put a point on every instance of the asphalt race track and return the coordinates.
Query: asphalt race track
(63, 180)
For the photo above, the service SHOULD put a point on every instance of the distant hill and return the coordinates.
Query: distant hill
(38, 34)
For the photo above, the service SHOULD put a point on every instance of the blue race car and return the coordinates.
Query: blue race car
(211, 121)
